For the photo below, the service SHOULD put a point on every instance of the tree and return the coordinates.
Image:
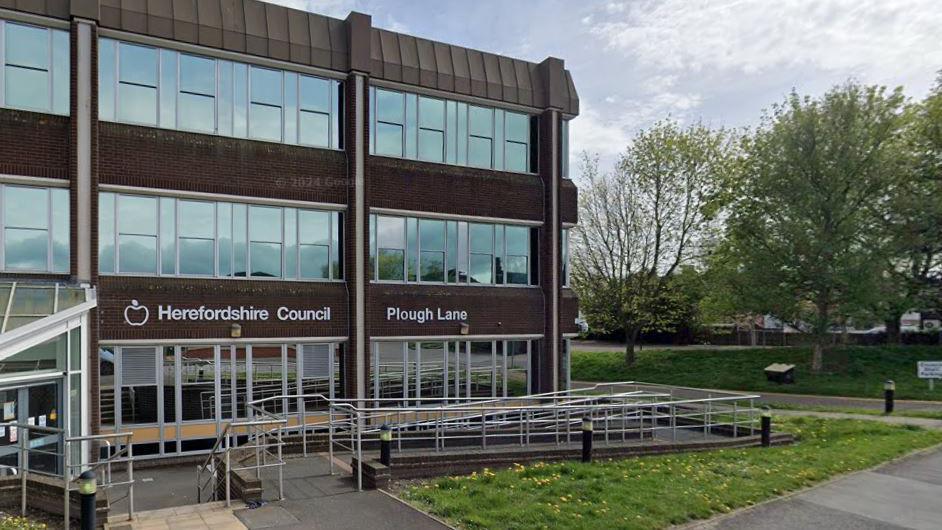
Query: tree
(804, 238)
(638, 224)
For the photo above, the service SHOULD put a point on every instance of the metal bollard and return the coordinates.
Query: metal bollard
(385, 441)
(587, 438)
(889, 390)
(87, 487)
(766, 425)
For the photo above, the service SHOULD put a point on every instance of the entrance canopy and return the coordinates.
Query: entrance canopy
(32, 314)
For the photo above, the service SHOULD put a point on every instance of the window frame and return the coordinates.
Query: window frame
(52, 35)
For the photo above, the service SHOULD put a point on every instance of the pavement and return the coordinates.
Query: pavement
(904, 494)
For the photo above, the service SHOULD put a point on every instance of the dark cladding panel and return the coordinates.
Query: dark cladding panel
(299, 37)
(185, 21)
(573, 106)
(210, 20)
(277, 18)
(392, 61)
(134, 16)
(109, 13)
(426, 51)
(444, 68)
(476, 73)
(459, 59)
(233, 25)
(339, 52)
(160, 18)
(492, 76)
(376, 55)
(509, 79)
(410, 59)
(256, 28)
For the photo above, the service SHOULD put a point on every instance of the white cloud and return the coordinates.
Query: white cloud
(753, 37)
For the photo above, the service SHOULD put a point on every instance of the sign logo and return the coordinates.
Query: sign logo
(136, 314)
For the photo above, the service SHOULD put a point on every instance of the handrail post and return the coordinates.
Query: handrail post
(24, 465)
(330, 436)
(484, 428)
(359, 450)
(281, 466)
(228, 486)
(130, 478)
(65, 481)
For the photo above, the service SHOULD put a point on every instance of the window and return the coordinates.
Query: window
(34, 68)
(137, 84)
(35, 229)
(390, 122)
(180, 237)
(564, 148)
(435, 130)
(174, 90)
(440, 251)
(197, 97)
(564, 260)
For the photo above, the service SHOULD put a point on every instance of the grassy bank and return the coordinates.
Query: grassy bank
(927, 414)
(850, 371)
(656, 492)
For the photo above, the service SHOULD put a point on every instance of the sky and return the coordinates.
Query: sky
(719, 61)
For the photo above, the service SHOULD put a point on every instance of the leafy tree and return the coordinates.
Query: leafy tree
(805, 238)
(640, 223)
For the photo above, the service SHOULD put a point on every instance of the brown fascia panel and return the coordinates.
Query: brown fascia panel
(410, 59)
(233, 25)
(209, 15)
(555, 88)
(376, 56)
(476, 73)
(536, 84)
(459, 60)
(256, 28)
(160, 18)
(277, 19)
(492, 76)
(299, 37)
(443, 67)
(337, 45)
(77, 8)
(109, 13)
(185, 21)
(358, 40)
(427, 69)
(524, 86)
(573, 107)
(392, 61)
(134, 16)
(509, 79)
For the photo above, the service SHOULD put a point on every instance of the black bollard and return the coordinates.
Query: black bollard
(385, 441)
(889, 390)
(87, 487)
(587, 439)
(767, 428)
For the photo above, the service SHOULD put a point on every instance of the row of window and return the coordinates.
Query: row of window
(34, 68)
(436, 130)
(34, 229)
(180, 237)
(437, 251)
(159, 87)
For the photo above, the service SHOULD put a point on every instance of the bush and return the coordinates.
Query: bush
(16, 522)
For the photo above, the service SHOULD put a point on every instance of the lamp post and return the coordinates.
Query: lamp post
(889, 391)
(87, 487)
(587, 438)
(766, 427)
(385, 441)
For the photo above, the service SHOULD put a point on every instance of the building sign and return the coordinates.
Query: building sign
(929, 369)
(421, 316)
(137, 314)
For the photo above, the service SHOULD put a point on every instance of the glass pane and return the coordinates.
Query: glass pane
(433, 266)
(60, 72)
(431, 113)
(26, 207)
(196, 256)
(30, 300)
(291, 243)
(498, 254)
(106, 384)
(197, 219)
(390, 106)
(197, 75)
(168, 236)
(27, 46)
(516, 270)
(138, 64)
(106, 232)
(480, 121)
(137, 215)
(391, 264)
(26, 249)
(388, 139)
(517, 240)
(479, 152)
(49, 355)
(239, 233)
(517, 127)
(138, 254)
(451, 259)
(224, 216)
(516, 368)
(314, 227)
(197, 374)
(412, 110)
(315, 94)
(291, 108)
(106, 78)
(168, 375)
(337, 254)
(26, 89)
(431, 145)
(265, 122)
(462, 252)
(168, 89)
(481, 268)
(265, 259)
(60, 230)
(315, 261)
(482, 237)
(239, 100)
(516, 157)
(315, 129)
(197, 113)
(224, 123)
(265, 223)
(390, 232)
(412, 256)
(137, 104)
(266, 86)
(432, 235)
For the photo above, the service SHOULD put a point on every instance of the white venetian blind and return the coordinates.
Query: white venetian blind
(138, 366)
(316, 360)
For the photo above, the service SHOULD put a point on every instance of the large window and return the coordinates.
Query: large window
(565, 257)
(424, 128)
(167, 236)
(449, 371)
(164, 88)
(446, 251)
(34, 229)
(34, 68)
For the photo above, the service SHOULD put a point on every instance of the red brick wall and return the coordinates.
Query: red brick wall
(34, 144)
(491, 310)
(115, 294)
(157, 158)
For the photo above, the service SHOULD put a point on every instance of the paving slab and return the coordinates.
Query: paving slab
(269, 516)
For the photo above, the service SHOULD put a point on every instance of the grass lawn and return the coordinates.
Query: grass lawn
(928, 414)
(659, 491)
(848, 371)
